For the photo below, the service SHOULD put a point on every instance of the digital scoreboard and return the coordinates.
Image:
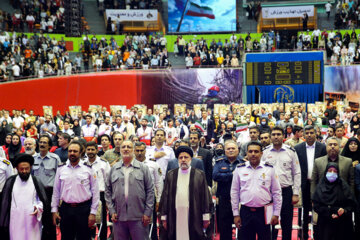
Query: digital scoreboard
(283, 73)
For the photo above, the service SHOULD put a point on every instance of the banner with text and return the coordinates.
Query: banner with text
(122, 15)
(287, 12)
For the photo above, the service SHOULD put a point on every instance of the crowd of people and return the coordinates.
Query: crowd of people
(138, 51)
(128, 4)
(39, 55)
(321, 163)
(30, 15)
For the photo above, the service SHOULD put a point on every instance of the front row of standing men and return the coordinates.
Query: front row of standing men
(267, 184)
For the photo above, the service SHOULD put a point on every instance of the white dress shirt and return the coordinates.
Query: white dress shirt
(310, 154)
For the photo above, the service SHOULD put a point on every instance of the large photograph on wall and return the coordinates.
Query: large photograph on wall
(192, 86)
(202, 15)
(344, 80)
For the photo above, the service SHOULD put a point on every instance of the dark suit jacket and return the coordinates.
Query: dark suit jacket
(210, 130)
(320, 150)
(195, 163)
(346, 171)
(206, 156)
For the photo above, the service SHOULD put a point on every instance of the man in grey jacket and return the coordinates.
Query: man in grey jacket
(129, 195)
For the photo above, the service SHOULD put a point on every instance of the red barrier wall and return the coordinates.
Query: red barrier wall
(110, 88)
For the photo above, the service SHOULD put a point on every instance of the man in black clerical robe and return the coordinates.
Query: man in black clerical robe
(7, 194)
(197, 208)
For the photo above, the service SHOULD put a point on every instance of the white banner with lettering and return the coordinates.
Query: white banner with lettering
(287, 12)
(132, 15)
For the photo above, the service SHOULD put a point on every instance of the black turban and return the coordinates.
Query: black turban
(23, 157)
(184, 149)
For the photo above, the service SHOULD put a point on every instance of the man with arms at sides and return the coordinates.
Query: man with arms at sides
(105, 144)
(160, 152)
(89, 131)
(129, 194)
(76, 186)
(195, 162)
(23, 202)
(155, 172)
(208, 126)
(307, 152)
(113, 155)
(185, 202)
(223, 175)
(202, 154)
(254, 195)
(64, 141)
(287, 167)
(102, 170)
(44, 168)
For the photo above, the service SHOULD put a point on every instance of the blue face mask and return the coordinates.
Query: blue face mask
(331, 176)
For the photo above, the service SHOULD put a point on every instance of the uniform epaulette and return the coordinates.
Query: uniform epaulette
(152, 159)
(268, 164)
(267, 147)
(241, 165)
(7, 162)
(103, 160)
(62, 164)
(87, 164)
(291, 148)
(220, 158)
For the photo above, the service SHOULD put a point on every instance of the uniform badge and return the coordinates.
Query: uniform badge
(94, 175)
(224, 168)
(245, 174)
(159, 170)
(263, 175)
(284, 164)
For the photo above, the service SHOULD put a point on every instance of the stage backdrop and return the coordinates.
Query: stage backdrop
(190, 86)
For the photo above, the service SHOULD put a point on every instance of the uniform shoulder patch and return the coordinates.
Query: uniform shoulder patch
(87, 164)
(291, 148)
(267, 147)
(268, 164)
(7, 162)
(62, 164)
(220, 158)
(241, 165)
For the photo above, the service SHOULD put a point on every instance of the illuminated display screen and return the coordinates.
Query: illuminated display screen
(283, 73)
(201, 16)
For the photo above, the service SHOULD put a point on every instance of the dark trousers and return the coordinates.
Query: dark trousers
(49, 230)
(286, 215)
(154, 233)
(225, 219)
(74, 221)
(103, 230)
(306, 199)
(252, 223)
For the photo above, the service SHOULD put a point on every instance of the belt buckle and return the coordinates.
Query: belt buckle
(73, 204)
(253, 209)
